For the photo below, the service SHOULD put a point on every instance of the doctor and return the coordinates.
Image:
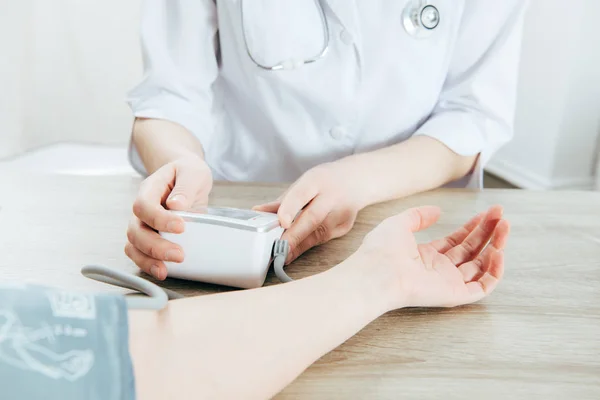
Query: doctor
(356, 102)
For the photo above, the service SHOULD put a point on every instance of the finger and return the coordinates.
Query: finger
(153, 267)
(310, 221)
(485, 285)
(191, 184)
(199, 206)
(147, 207)
(473, 270)
(294, 200)
(452, 240)
(152, 244)
(334, 226)
(417, 219)
(477, 239)
(307, 244)
(271, 207)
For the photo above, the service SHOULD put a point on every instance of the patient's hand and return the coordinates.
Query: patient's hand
(455, 270)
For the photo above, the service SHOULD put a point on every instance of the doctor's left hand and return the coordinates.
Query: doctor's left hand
(328, 198)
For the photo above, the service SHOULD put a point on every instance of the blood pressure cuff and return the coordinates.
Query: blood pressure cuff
(57, 344)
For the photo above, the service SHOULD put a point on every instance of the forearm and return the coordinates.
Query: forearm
(416, 165)
(159, 142)
(251, 343)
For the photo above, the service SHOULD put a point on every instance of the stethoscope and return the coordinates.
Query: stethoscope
(419, 18)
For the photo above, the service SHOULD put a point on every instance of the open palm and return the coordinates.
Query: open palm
(461, 268)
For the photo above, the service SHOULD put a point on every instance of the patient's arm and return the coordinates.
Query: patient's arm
(252, 343)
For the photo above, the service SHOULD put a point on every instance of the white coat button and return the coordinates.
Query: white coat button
(338, 132)
(346, 37)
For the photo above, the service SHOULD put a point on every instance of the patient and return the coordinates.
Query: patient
(247, 344)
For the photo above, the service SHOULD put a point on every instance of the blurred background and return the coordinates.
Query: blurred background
(66, 66)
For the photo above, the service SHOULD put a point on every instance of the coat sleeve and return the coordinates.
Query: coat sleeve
(475, 111)
(179, 45)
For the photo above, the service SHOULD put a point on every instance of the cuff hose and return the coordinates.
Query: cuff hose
(157, 297)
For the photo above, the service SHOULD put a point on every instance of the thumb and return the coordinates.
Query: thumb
(419, 218)
(191, 186)
(271, 207)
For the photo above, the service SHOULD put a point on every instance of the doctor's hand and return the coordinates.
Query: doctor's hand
(181, 185)
(327, 198)
(458, 269)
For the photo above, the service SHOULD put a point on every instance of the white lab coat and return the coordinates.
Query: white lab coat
(376, 86)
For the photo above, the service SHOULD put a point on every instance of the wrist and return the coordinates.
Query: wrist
(369, 185)
(160, 142)
(375, 284)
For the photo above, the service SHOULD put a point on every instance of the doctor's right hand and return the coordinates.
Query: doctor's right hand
(182, 185)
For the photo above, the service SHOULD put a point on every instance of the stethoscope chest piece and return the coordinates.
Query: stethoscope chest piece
(420, 18)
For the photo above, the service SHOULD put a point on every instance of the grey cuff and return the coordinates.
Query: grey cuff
(58, 344)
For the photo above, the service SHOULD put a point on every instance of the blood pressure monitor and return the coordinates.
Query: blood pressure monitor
(225, 246)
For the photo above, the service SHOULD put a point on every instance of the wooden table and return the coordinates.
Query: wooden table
(537, 336)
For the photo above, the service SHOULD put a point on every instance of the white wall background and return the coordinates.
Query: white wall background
(66, 65)
(557, 123)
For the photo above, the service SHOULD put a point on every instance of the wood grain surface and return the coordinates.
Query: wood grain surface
(537, 336)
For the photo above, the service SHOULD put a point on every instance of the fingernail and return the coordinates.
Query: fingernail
(174, 226)
(173, 255)
(155, 271)
(177, 197)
